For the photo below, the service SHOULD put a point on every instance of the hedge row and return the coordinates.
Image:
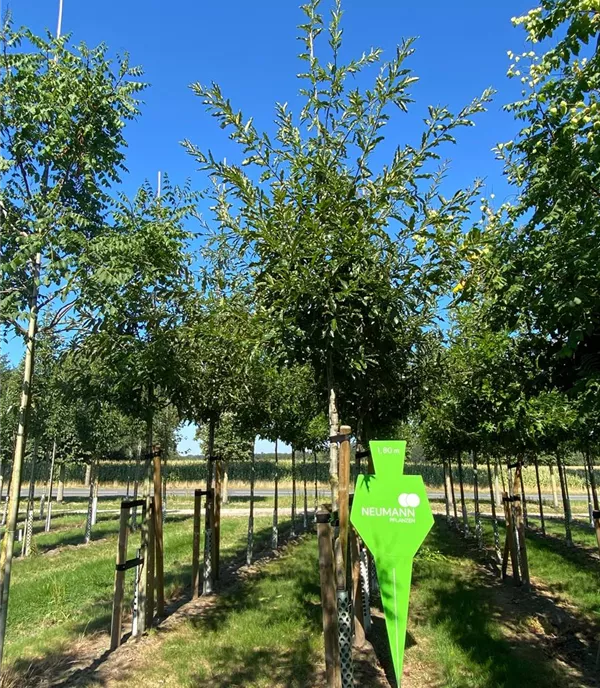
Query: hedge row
(194, 471)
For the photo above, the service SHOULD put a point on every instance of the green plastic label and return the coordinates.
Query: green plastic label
(392, 515)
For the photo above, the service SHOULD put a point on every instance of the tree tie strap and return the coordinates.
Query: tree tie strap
(339, 438)
(132, 563)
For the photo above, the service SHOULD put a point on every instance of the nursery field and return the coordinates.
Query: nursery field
(466, 628)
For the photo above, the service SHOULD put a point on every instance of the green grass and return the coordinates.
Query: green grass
(265, 632)
(60, 596)
(465, 625)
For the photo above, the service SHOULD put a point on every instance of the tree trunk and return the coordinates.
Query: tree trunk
(539, 491)
(334, 427)
(523, 498)
(553, 483)
(497, 484)
(275, 531)
(454, 506)
(494, 517)
(478, 530)
(587, 491)
(207, 583)
(90, 509)
(6, 554)
(565, 498)
(164, 485)
(447, 490)
(305, 517)
(596, 521)
(293, 531)
(225, 498)
(50, 488)
(60, 493)
(463, 504)
(316, 480)
(250, 548)
(6, 500)
(26, 548)
(88, 474)
(136, 483)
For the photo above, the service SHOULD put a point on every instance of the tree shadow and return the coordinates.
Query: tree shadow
(55, 668)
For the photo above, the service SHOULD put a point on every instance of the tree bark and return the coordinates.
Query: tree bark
(553, 483)
(250, 548)
(565, 498)
(90, 509)
(88, 474)
(539, 491)
(478, 530)
(454, 506)
(305, 517)
(26, 548)
(463, 504)
(6, 554)
(60, 493)
(447, 490)
(334, 426)
(494, 516)
(50, 488)
(293, 531)
(275, 530)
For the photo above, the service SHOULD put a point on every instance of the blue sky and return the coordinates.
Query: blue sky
(249, 48)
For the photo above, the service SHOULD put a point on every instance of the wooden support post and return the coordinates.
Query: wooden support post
(539, 491)
(520, 526)
(565, 499)
(494, 516)
(196, 588)
(159, 581)
(463, 504)
(357, 597)
(454, 507)
(143, 581)
(150, 569)
(594, 490)
(217, 517)
(343, 498)
(117, 611)
(478, 528)
(510, 545)
(328, 600)
(446, 490)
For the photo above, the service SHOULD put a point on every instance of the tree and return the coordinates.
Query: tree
(338, 256)
(62, 113)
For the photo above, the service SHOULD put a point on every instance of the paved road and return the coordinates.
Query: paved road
(114, 492)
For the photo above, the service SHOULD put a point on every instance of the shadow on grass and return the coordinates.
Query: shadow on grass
(469, 607)
(56, 668)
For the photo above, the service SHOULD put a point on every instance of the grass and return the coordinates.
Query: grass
(60, 596)
(265, 632)
(469, 631)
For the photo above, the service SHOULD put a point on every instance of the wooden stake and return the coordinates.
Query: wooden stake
(158, 536)
(150, 570)
(565, 499)
(510, 545)
(328, 600)
(454, 507)
(478, 528)
(494, 516)
(343, 498)
(117, 612)
(462, 497)
(520, 526)
(357, 598)
(539, 491)
(217, 518)
(196, 588)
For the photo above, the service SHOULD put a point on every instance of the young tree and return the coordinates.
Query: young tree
(62, 113)
(338, 254)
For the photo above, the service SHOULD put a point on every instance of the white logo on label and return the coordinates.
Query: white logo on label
(411, 499)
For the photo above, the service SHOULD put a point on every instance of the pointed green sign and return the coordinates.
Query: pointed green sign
(392, 515)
